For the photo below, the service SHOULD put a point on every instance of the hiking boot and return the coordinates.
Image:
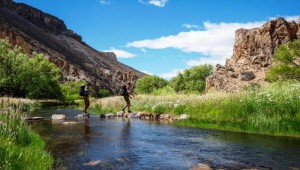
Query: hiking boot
(129, 111)
(123, 110)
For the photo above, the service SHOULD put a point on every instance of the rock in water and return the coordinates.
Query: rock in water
(34, 118)
(120, 113)
(110, 115)
(102, 116)
(58, 116)
(82, 116)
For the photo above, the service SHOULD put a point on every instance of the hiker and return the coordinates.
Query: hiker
(85, 94)
(127, 93)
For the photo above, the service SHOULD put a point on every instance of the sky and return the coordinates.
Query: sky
(164, 37)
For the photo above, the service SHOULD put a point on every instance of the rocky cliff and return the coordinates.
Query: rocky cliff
(252, 55)
(36, 31)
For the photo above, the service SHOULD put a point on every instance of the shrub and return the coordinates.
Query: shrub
(192, 80)
(24, 76)
(286, 62)
(148, 84)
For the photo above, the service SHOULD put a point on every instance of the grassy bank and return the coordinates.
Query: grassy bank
(272, 110)
(20, 147)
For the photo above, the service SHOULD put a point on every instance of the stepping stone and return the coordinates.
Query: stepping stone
(58, 117)
(120, 113)
(34, 118)
(109, 115)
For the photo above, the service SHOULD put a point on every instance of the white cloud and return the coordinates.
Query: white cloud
(147, 72)
(171, 74)
(158, 3)
(190, 26)
(105, 2)
(215, 41)
(121, 53)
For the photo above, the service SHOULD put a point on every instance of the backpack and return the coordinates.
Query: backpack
(81, 90)
(123, 91)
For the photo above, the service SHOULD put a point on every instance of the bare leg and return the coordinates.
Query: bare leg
(86, 103)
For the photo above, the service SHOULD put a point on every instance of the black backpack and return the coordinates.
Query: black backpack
(123, 91)
(81, 90)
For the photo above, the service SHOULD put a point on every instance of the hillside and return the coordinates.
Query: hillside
(36, 31)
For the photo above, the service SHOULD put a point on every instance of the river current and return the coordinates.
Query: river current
(136, 144)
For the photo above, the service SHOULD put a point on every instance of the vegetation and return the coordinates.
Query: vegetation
(20, 147)
(24, 76)
(148, 84)
(273, 110)
(192, 80)
(287, 62)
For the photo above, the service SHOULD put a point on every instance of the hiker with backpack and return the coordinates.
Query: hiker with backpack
(84, 92)
(127, 93)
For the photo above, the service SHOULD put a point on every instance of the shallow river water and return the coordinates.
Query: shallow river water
(137, 144)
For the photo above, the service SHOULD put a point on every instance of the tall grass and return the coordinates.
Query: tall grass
(20, 147)
(273, 110)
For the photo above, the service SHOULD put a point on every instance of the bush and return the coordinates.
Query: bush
(70, 90)
(24, 76)
(148, 84)
(192, 80)
(104, 93)
(286, 62)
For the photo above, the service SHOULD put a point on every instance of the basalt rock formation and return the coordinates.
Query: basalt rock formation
(36, 31)
(252, 55)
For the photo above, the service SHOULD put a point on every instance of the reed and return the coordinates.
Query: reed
(20, 148)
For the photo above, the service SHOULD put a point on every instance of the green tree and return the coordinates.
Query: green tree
(148, 84)
(192, 80)
(286, 62)
(24, 76)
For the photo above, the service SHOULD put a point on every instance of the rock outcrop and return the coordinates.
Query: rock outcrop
(36, 31)
(252, 55)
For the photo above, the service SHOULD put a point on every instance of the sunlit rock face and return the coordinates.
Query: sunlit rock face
(252, 55)
(36, 31)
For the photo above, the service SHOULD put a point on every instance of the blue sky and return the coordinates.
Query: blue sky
(163, 37)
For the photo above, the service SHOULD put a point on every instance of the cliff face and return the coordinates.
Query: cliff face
(36, 31)
(252, 55)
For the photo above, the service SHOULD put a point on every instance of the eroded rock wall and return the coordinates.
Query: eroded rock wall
(252, 55)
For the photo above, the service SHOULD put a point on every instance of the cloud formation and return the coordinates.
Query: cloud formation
(158, 3)
(190, 26)
(120, 53)
(105, 2)
(171, 74)
(215, 41)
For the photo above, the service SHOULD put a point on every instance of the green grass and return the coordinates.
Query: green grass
(271, 110)
(20, 147)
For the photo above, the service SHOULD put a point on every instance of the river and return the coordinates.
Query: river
(136, 144)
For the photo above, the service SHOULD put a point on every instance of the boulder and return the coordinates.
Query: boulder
(247, 76)
(182, 117)
(102, 116)
(58, 117)
(109, 115)
(120, 113)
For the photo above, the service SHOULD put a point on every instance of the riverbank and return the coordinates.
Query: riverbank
(272, 110)
(20, 148)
